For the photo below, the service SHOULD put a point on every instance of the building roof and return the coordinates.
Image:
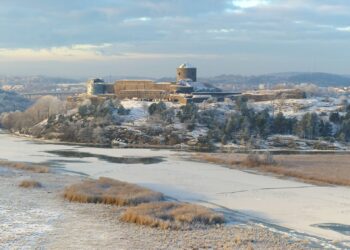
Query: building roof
(186, 66)
(96, 80)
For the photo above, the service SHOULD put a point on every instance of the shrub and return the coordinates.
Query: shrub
(157, 108)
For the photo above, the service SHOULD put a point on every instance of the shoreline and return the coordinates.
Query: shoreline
(302, 167)
(223, 150)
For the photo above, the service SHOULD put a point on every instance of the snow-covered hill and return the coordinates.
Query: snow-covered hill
(10, 101)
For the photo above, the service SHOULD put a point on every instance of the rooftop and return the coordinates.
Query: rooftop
(186, 66)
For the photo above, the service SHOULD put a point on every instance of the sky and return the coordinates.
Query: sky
(90, 38)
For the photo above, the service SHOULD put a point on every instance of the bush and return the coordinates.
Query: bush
(157, 108)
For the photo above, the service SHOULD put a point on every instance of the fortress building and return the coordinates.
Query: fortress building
(147, 89)
(186, 72)
(181, 91)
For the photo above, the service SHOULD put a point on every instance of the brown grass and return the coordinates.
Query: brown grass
(25, 166)
(109, 191)
(258, 160)
(30, 184)
(167, 215)
(317, 169)
(252, 160)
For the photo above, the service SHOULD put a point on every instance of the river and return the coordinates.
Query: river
(297, 208)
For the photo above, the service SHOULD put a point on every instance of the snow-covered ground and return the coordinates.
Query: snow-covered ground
(139, 110)
(286, 203)
(298, 107)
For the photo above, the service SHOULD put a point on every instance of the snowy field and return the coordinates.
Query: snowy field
(298, 107)
(286, 203)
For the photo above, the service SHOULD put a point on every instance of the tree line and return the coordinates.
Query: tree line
(245, 123)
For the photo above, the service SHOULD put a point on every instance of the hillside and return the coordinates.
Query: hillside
(229, 82)
(10, 101)
(34, 80)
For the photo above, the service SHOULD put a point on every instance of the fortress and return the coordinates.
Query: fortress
(179, 91)
(182, 91)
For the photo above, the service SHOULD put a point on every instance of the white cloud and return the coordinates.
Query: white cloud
(137, 20)
(80, 52)
(220, 30)
(245, 4)
(91, 46)
(74, 52)
(344, 29)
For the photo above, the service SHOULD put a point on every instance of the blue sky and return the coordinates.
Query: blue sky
(81, 38)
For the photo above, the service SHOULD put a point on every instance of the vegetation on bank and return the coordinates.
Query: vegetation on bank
(146, 207)
(247, 125)
(109, 191)
(167, 215)
(35, 168)
(105, 122)
(306, 168)
(30, 184)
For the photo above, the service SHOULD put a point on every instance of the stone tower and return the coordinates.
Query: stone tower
(95, 87)
(186, 72)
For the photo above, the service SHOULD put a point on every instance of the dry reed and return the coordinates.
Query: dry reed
(315, 169)
(109, 191)
(167, 215)
(25, 166)
(30, 184)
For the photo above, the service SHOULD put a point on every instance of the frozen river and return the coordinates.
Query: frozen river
(321, 211)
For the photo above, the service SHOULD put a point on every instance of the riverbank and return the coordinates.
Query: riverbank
(40, 218)
(177, 147)
(182, 147)
(315, 168)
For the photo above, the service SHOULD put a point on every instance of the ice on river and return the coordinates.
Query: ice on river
(286, 203)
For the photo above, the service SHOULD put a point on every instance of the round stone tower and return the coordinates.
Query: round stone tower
(95, 87)
(186, 72)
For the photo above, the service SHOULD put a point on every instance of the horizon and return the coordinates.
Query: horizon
(147, 38)
(161, 77)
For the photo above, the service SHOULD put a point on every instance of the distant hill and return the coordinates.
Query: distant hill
(242, 82)
(226, 82)
(11, 101)
(35, 80)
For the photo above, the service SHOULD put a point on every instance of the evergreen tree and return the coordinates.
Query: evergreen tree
(335, 118)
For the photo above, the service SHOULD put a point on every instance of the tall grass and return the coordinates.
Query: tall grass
(167, 215)
(25, 166)
(314, 169)
(251, 160)
(109, 191)
(30, 184)
(258, 160)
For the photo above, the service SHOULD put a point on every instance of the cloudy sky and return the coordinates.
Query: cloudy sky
(83, 38)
